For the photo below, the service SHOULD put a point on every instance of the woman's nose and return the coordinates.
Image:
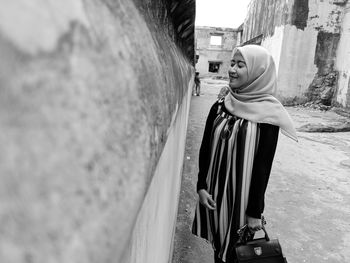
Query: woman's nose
(232, 69)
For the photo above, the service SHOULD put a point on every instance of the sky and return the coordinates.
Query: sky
(221, 13)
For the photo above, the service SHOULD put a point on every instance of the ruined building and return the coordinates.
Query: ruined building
(93, 114)
(310, 42)
(213, 48)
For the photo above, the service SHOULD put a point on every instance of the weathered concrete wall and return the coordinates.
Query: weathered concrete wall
(303, 37)
(343, 61)
(208, 52)
(326, 20)
(296, 68)
(282, 26)
(155, 225)
(93, 96)
(223, 57)
(264, 16)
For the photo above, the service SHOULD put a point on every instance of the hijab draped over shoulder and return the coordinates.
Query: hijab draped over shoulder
(255, 101)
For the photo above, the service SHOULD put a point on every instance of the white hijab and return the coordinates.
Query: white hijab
(255, 100)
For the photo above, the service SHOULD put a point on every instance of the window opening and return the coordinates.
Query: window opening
(214, 67)
(216, 40)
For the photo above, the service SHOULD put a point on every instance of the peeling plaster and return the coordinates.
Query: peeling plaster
(300, 13)
(324, 84)
(296, 62)
(32, 28)
(325, 53)
(325, 16)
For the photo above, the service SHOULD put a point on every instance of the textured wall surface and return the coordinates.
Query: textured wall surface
(325, 18)
(153, 234)
(297, 68)
(303, 37)
(89, 94)
(343, 61)
(264, 16)
(208, 52)
(282, 26)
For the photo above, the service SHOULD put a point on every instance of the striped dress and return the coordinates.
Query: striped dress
(235, 161)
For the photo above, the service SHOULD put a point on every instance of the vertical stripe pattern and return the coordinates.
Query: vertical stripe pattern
(233, 146)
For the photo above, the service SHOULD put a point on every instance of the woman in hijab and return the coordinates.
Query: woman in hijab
(237, 151)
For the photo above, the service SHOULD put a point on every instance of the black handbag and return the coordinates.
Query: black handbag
(260, 250)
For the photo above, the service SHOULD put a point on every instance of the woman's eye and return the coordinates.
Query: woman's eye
(239, 64)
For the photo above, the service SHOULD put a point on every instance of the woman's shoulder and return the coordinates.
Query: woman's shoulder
(218, 105)
(223, 92)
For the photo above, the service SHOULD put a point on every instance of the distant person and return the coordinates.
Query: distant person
(197, 83)
(237, 151)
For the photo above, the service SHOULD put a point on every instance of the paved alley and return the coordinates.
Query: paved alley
(308, 196)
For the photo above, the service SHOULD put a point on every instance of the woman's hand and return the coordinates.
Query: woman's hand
(206, 199)
(254, 223)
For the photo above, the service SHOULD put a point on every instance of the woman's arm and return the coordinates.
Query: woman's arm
(205, 149)
(261, 169)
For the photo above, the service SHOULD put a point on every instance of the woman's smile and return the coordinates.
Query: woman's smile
(238, 72)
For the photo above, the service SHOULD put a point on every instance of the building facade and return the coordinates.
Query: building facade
(214, 48)
(309, 41)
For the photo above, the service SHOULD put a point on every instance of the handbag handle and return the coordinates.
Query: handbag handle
(246, 234)
(266, 235)
(263, 223)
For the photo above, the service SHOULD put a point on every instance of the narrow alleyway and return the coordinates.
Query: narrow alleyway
(307, 199)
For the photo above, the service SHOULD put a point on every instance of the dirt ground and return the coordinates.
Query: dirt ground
(308, 196)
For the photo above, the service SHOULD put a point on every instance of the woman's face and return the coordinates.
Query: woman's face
(238, 72)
